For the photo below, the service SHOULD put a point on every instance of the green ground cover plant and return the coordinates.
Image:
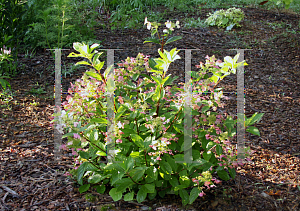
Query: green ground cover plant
(229, 18)
(148, 132)
(194, 23)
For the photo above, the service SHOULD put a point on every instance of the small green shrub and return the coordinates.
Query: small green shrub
(228, 18)
(141, 134)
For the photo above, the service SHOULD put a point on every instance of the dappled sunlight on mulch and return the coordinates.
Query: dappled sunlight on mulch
(32, 179)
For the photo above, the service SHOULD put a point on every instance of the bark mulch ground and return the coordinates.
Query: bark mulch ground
(31, 178)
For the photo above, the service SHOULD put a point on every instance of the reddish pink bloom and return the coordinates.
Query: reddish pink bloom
(67, 174)
(76, 136)
(74, 152)
(63, 146)
(202, 194)
(206, 183)
(216, 181)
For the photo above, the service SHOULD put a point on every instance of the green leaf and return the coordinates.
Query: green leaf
(210, 145)
(156, 79)
(150, 188)
(137, 173)
(151, 196)
(162, 193)
(95, 45)
(83, 62)
(152, 64)
(151, 39)
(137, 140)
(172, 39)
(129, 164)
(148, 140)
(98, 65)
(255, 118)
(165, 176)
(194, 194)
(80, 172)
(207, 155)
(129, 196)
(4, 83)
(179, 187)
(108, 70)
(184, 196)
(116, 196)
(123, 184)
(117, 176)
(147, 76)
(253, 130)
(232, 172)
(223, 175)
(94, 75)
(101, 189)
(159, 183)
(93, 137)
(205, 108)
(185, 181)
(219, 150)
(165, 167)
(135, 154)
(128, 132)
(214, 78)
(156, 95)
(84, 155)
(170, 80)
(84, 188)
(174, 181)
(141, 195)
(95, 178)
(135, 76)
(172, 163)
(99, 120)
(77, 46)
(230, 27)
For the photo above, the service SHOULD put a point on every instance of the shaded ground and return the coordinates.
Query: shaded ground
(32, 179)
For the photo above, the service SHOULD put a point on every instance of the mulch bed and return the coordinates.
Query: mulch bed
(33, 179)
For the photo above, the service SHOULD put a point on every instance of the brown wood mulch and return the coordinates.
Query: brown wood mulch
(31, 178)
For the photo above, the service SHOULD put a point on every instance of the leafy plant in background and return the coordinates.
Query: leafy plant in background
(69, 69)
(278, 3)
(11, 22)
(12, 28)
(4, 58)
(148, 126)
(229, 18)
(161, 40)
(58, 23)
(38, 90)
(193, 23)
